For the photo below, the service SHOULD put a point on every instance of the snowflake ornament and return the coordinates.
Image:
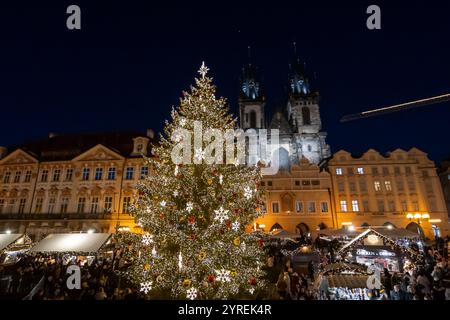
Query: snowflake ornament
(154, 252)
(182, 122)
(146, 286)
(163, 203)
(221, 215)
(221, 179)
(251, 290)
(191, 294)
(147, 239)
(189, 207)
(175, 193)
(223, 275)
(235, 226)
(248, 193)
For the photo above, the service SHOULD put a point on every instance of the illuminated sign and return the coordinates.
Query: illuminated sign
(374, 253)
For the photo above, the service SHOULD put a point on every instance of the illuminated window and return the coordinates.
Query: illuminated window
(343, 206)
(94, 205)
(126, 204)
(112, 174)
(377, 185)
(144, 172)
(129, 173)
(81, 205)
(64, 205)
(51, 205)
(85, 176)
(108, 204)
(339, 171)
(98, 173)
(311, 207)
(355, 206)
(388, 186)
(298, 206)
(324, 207)
(360, 170)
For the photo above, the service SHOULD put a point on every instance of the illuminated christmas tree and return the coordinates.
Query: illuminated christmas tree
(195, 213)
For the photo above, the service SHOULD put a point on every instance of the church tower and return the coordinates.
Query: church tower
(304, 116)
(251, 100)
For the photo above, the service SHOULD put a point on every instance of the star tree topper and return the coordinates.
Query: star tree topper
(203, 70)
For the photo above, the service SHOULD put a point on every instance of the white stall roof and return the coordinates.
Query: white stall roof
(8, 239)
(72, 242)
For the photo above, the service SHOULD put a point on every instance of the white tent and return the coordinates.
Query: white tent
(8, 239)
(72, 242)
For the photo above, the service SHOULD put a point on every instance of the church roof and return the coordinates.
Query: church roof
(280, 122)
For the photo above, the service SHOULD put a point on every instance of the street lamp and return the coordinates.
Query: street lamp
(419, 217)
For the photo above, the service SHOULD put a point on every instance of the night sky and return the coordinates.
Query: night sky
(130, 61)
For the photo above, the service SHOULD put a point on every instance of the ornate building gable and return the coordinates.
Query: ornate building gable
(97, 153)
(18, 156)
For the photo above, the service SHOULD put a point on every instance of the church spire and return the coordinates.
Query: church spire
(298, 80)
(250, 86)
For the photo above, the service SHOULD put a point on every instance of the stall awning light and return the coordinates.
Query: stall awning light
(347, 223)
(435, 220)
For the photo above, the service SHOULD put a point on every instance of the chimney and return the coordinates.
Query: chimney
(3, 152)
(151, 134)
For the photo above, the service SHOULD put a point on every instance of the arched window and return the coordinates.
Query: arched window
(414, 227)
(302, 229)
(287, 203)
(306, 116)
(253, 119)
(321, 226)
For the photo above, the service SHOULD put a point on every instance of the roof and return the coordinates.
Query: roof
(280, 122)
(66, 147)
(8, 239)
(347, 281)
(72, 242)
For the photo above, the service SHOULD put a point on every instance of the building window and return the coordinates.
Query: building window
(85, 175)
(350, 171)
(64, 205)
(400, 185)
(352, 186)
(17, 176)
(311, 207)
(275, 207)
(299, 207)
(339, 171)
(69, 174)
(39, 203)
(374, 171)
(306, 116)
(2, 205)
(415, 206)
(355, 206)
(433, 207)
(360, 170)
(324, 207)
(22, 204)
(44, 176)
(56, 174)
(408, 171)
(108, 204)
(365, 204)
(341, 186)
(388, 186)
(98, 174)
(263, 183)
(126, 204)
(385, 171)
(11, 205)
(7, 177)
(297, 183)
(380, 205)
(306, 183)
(81, 205)
(51, 205)
(377, 185)
(397, 171)
(391, 205)
(343, 206)
(269, 183)
(315, 182)
(27, 176)
(362, 186)
(425, 173)
(144, 172)
(112, 174)
(404, 206)
(129, 173)
(94, 205)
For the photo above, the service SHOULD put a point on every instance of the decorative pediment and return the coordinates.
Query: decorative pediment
(99, 152)
(18, 157)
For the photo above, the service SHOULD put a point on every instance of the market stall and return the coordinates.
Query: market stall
(343, 281)
(11, 245)
(384, 248)
(79, 247)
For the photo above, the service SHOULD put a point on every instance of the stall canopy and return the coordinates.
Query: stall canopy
(283, 234)
(7, 240)
(72, 242)
(339, 233)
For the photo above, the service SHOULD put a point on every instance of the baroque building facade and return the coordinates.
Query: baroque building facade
(72, 183)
